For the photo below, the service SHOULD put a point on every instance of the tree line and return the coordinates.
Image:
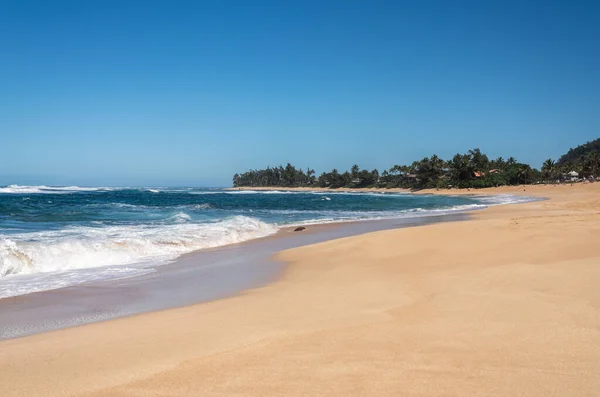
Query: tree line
(289, 176)
(584, 160)
(473, 169)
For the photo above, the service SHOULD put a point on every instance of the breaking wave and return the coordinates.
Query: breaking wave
(20, 189)
(501, 199)
(90, 247)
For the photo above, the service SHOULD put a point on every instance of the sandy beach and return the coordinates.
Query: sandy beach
(504, 304)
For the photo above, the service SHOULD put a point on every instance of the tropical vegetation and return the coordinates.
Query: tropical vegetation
(584, 160)
(288, 176)
(473, 169)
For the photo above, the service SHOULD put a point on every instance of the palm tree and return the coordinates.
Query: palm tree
(395, 169)
(549, 168)
(479, 160)
(499, 163)
(460, 168)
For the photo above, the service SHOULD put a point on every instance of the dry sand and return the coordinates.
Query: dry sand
(505, 304)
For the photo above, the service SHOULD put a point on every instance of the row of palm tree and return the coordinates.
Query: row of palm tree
(288, 176)
(356, 178)
(472, 169)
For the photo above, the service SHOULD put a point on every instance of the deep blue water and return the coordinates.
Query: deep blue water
(53, 237)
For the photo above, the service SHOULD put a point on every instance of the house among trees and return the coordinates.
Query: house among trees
(481, 174)
(572, 176)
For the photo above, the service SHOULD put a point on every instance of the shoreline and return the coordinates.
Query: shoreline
(82, 303)
(148, 266)
(233, 269)
(504, 301)
(7, 329)
(521, 190)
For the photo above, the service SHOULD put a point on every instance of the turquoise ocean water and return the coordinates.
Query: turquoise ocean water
(52, 237)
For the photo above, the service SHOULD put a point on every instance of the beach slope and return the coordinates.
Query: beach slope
(504, 304)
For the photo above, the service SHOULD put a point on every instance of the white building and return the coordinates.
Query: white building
(573, 175)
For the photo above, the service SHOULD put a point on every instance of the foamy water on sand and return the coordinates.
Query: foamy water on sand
(53, 237)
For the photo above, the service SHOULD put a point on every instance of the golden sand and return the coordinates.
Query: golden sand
(505, 304)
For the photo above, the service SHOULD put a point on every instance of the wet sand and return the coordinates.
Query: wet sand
(506, 303)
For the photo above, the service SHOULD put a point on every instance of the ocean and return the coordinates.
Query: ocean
(54, 237)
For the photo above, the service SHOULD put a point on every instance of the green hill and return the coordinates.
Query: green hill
(578, 154)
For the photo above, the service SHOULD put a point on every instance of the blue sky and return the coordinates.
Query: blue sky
(190, 92)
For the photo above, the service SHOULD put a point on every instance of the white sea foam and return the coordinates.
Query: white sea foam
(502, 199)
(141, 207)
(353, 216)
(20, 189)
(318, 193)
(204, 206)
(241, 192)
(24, 189)
(180, 217)
(94, 247)
(332, 216)
(355, 193)
(203, 192)
(21, 284)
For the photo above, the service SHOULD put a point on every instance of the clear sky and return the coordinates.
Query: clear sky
(190, 92)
